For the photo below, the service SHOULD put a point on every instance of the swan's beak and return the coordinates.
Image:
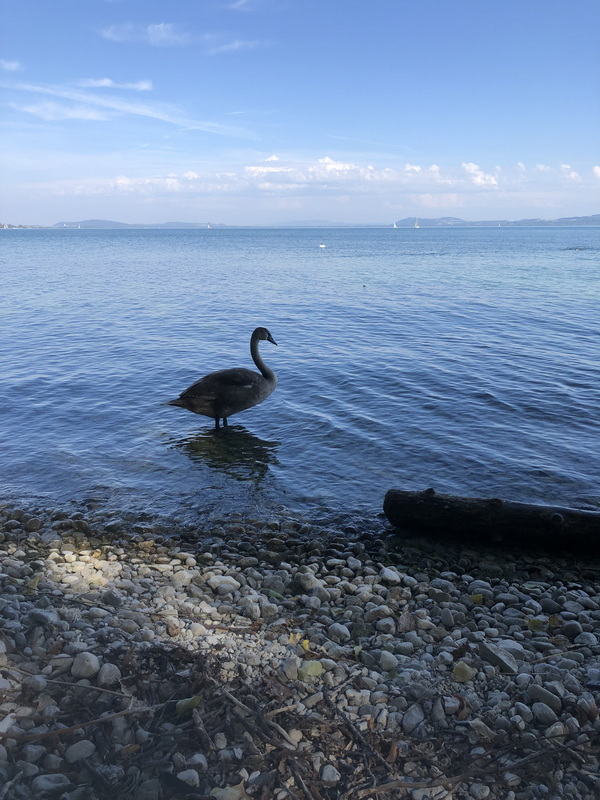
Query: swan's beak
(271, 339)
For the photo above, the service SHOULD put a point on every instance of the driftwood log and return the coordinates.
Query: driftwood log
(493, 520)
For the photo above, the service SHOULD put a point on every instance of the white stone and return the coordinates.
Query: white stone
(108, 675)
(391, 576)
(223, 584)
(85, 665)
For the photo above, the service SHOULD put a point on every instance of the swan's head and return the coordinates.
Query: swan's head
(262, 334)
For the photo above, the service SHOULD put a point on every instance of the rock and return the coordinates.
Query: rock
(338, 632)
(223, 584)
(499, 657)
(112, 598)
(36, 683)
(85, 665)
(33, 752)
(290, 668)
(586, 639)
(308, 581)
(43, 616)
(108, 675)
(462, 672)
(412, 718)
(544, 714)
(330, 775)
(310, 669)
(81, 749)
(390, 576)
(447, 618)
(189, 776)
(537, 692)
(149, 790)
(388, 661)
(386, 625)
(49, 785)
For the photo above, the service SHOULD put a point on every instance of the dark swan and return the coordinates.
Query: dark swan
(228, 391)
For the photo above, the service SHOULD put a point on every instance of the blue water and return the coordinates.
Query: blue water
(463, 359)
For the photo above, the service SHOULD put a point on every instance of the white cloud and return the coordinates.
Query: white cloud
(569, 173)
(163, 34)
(108, 83)
(478, 176)
(412, 168)
(10, 66)
(327, 182)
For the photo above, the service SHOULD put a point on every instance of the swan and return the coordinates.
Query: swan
(228, 391)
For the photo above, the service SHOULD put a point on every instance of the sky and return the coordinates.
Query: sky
(259, 112)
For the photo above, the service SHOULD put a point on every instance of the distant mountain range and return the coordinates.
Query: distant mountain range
(455, 222)
(407, 222)
(107, 223)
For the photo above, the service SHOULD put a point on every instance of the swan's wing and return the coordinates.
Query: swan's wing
(224, 379)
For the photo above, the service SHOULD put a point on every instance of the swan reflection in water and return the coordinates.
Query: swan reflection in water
(239, 453)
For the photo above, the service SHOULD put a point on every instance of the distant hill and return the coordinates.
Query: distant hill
(107, 223)
(407, 222)
(455, 222)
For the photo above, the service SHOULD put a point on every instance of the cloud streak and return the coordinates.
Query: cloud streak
(108, 83)
(108, 106)
(163, 34)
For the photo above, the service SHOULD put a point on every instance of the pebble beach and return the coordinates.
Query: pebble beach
(283, 657)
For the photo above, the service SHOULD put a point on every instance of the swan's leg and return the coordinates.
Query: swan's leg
(225, 422)
(217, 426)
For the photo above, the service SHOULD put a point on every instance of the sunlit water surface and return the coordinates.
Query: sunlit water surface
(463, 359)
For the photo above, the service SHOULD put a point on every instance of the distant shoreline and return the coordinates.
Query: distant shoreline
(408, 222)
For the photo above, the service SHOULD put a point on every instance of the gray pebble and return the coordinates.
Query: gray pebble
(81, 749)
(50, 785)
(544, 714)
(330, 775)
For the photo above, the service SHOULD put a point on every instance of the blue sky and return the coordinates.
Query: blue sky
(266, 111)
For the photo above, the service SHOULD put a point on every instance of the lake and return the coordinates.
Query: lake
(466, 359)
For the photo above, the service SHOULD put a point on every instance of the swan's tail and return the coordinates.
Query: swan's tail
(177, 402)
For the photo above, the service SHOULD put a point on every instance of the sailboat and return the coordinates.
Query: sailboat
(209, 226)
(417, 223)
(394, 225)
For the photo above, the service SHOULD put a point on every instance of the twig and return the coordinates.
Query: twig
(299, 779)
(281, 710)
(453, 779)
(61, 731)
(289, 743)
(355, 732)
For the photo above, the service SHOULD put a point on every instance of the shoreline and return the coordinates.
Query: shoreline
(288, 657)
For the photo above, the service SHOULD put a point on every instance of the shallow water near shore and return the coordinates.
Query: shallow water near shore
(463, 359)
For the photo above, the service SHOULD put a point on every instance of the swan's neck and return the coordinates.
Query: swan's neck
(267, 372)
